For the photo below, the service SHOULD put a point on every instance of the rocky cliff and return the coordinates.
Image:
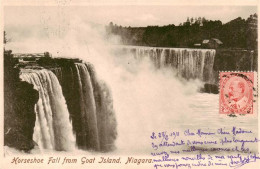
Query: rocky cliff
(19, 101)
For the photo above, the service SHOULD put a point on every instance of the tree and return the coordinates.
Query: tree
(199, 19)
(111, 24)
(187, 23)
(191, 20)
(47, 55)
(188, 19)
(203, 20)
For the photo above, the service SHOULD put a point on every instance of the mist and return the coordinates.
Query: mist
(146, 99)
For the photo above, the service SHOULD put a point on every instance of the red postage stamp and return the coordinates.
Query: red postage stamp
(236, 92)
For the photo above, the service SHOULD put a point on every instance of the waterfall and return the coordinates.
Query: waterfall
(53, 129)
(87, 108)
(58, 73)
(90, 106)
(188, 63)
(106, 121)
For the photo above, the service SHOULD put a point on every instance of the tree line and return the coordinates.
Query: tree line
(238, 33)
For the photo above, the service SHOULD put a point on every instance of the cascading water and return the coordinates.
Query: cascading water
(90, 105)
(188, 63)
(106, 120)
(53, 129)
(87, 108)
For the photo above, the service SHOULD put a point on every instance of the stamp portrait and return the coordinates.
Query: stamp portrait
(236, 92)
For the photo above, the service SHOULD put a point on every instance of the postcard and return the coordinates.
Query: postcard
(132, 84)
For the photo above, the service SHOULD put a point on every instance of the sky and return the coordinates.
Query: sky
(33, 23)
(125, 15)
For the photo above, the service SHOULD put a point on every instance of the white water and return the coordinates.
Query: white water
(146, 99)
(198, 111)
(149, 99)
(53, 129)
(87, 108)
(188, 63)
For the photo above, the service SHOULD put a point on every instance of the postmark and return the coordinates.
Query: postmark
(236, 92)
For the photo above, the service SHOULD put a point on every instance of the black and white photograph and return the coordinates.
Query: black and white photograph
(130, 85)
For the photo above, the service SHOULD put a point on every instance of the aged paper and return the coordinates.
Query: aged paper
(130, 84)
